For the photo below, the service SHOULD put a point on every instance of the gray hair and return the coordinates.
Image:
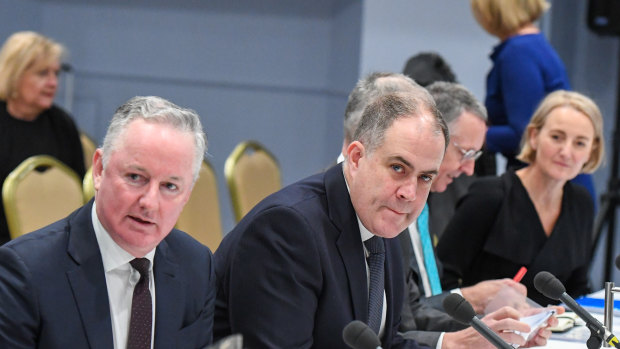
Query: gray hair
(384, 110)
(453, 99)
(366, 91)
(156, 110)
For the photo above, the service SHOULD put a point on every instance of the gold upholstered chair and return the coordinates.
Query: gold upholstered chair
(87, 184)
(201, 215)
(252, 173)
(40, 191)
(88, 148)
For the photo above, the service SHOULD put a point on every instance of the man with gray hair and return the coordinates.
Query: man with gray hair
(115, 273)
(318, 254)
(367, 90)
(423, 318)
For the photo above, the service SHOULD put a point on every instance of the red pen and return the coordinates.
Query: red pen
(520, 274)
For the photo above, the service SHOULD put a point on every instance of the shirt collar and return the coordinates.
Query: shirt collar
(364, 233)
(112, 255)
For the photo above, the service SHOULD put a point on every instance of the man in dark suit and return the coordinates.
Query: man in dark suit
(293, 272)
(71, 284)
(423, 317)
(466, 119)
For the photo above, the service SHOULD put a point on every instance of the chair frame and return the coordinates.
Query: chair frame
(229, 167)
(17, 175)
(209, 241)
(89, 144)
(88, 186)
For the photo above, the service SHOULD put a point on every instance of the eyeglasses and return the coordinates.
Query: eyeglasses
(468, 154)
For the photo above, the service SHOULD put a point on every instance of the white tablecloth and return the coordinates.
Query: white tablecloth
(580, 335)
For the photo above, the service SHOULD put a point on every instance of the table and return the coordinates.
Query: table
(556, 344)
(582, 333)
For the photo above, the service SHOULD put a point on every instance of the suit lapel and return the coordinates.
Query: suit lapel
(87, 279)
(348, 242)
(404, 238)
(169, 298)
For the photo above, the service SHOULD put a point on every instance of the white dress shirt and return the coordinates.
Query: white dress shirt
(416, 243)
(121, 279)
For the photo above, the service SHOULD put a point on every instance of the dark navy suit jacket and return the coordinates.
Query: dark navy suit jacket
(53, 291)
(292, 273)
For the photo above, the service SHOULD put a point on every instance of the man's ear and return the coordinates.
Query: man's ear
(97, 168)
(355, 151)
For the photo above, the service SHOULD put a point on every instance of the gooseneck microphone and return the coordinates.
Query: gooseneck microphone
(460, 309)
(358, 335)
(551, 287)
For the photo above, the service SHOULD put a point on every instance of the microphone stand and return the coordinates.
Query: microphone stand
(608, 320)
(594, 342)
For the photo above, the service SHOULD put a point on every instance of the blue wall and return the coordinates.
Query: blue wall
(275, 71)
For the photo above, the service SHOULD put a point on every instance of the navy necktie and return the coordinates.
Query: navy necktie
(376, 260)
(141, 323)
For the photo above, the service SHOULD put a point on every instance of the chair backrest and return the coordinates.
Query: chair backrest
(40, 191)
(88, 187)
(88, 147)
(252, 173)
(201, 215)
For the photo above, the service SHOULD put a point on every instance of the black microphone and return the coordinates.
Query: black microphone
(358, 335)
(460, 309)
(551, 287)
(618, 261)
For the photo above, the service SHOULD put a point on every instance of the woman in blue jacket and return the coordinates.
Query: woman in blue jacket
(525, 69)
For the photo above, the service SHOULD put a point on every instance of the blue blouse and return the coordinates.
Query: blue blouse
(525, 69)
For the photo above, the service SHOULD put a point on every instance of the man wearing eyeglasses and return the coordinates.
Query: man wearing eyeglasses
(422, 322)
(466, 118)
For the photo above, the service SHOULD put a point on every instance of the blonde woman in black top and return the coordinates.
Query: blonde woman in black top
(533, 217)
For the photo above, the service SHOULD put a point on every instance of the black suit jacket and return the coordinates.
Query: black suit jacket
(53, 290)
(292, 273)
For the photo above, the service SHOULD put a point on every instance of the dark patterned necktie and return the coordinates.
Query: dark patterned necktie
(375, 261)
(141, 323)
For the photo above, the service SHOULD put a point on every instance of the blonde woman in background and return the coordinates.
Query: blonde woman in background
(30, 123)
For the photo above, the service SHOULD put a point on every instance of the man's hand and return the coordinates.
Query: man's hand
(480, 294)
(503, 321)
(543, 334)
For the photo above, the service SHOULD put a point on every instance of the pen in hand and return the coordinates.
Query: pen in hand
(520, 274)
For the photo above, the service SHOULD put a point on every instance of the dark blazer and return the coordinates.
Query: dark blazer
(292, 273)
(422, 318)
(53, 291)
